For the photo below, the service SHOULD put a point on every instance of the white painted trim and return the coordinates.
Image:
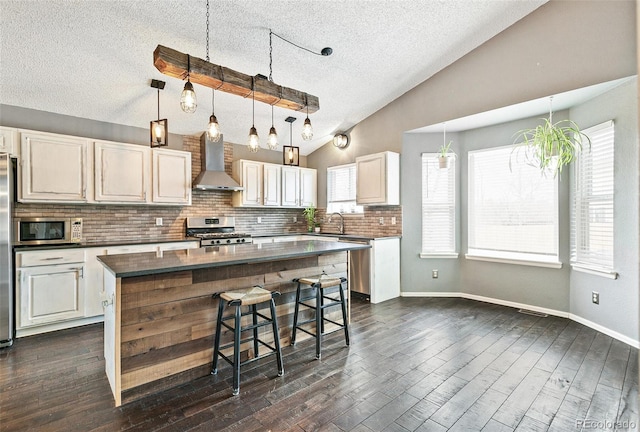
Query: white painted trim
(605, 330)
(427, 255)
(555, 265)
(562, 314)
(30, 331)
(592, 271)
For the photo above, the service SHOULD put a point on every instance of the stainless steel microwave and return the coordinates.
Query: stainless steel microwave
(44, 231)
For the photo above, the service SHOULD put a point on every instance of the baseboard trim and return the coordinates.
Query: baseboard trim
(562, 314)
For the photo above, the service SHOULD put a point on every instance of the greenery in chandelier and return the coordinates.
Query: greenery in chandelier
(551, 146)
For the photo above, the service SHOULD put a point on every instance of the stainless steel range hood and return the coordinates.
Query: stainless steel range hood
(213, 176)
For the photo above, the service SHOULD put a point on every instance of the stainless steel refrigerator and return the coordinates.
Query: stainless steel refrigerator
(6, 253)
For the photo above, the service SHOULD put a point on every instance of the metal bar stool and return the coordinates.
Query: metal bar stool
(238, 298)
(319, 285)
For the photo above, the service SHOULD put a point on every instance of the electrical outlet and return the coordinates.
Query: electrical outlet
(595, 297)
(259, 219)
(434, 274)
(158, 221)
(381, 221)
(393, 220)
(295, 219)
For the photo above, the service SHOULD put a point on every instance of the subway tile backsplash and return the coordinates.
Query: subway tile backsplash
(137, 222)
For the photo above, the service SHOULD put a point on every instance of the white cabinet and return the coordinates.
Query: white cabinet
(308, 187)
(53, 168)
(93, 278)
(378, 179)
(9, 140)
(299, 187)
(50, 287)
(271, 178)
(171, 176)
(121, 172)
(249, 175)
(385, 269)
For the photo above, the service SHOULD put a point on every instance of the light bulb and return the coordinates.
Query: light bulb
(157, 131)
(272, 140)
(254, 144)
(307, 130)
(290, 155)
(213, 130)
(188, 101)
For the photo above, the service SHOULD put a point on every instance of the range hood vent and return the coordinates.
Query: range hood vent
(213, 176)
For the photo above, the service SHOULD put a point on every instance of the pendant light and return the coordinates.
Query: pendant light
(158, 129)
(188, 101)
(307, 130)
(272, 139)
(290, 154)
(213, 128)
(254, 143)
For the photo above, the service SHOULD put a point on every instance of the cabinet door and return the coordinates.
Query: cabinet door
(121, 172)
(271, 179)
(171, 176)
(8, 140)
(308, 187)
(54, 168)
(371, 179)
(50, 294)
(290, 186)
(94, 284)
(252, 183)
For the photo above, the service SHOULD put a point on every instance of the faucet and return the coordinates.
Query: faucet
(341, 221)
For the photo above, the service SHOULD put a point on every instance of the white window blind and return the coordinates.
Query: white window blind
(341, 189)
(592, 213)
(438, 206)
(513, 209)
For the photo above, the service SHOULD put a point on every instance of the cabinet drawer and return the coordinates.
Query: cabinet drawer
(49, 257)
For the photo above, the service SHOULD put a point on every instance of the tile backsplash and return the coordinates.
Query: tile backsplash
(137, 222)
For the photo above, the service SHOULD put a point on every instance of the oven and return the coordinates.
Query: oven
(215, 231)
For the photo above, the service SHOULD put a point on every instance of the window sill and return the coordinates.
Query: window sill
(547, 264)
(596, 272)
(424, 255)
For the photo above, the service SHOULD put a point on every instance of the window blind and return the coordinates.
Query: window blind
(513, 208)
(438, 206)
(341, 189)
(592, 215)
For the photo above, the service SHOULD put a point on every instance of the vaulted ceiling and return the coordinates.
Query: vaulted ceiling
(94, 59)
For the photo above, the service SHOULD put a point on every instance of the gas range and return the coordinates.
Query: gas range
(215, 231)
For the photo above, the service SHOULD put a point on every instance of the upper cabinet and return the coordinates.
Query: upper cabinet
(9, 140)
(68, 169)
(121, 172)
(378, 179)
(171, 179)
(53, 168)
(273, 185)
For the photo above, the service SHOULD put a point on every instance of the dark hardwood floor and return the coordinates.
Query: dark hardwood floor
(413, 365)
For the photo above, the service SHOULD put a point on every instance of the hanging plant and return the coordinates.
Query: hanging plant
(551, 146)
(443, 158)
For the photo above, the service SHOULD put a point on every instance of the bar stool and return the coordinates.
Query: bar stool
(238, 298)
(320, 285)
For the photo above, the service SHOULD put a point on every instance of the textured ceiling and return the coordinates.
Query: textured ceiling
(94, 59)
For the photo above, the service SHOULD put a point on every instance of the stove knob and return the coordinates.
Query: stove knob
(242, 240)
(217, 241)
(229, 241)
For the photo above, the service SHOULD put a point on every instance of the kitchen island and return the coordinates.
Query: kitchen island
(160, 308)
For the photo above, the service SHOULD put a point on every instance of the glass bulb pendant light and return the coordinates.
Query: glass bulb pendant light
(254, 140)
(213, 129)
(188, 101)
(158, 128)
(307, 130)
(272, 139)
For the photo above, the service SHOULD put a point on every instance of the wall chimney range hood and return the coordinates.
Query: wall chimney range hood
(213, 176)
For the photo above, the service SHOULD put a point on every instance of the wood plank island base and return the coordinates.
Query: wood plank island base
(160, 308)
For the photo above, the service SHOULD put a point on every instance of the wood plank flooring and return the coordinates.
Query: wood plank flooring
(413, 365)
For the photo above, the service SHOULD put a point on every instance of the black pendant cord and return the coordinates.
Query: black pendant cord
(158, 103)
(325, 51)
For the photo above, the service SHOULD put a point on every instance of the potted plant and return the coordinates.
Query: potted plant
(317, 227)
(443, 159)
(552, 146)
(310, 215)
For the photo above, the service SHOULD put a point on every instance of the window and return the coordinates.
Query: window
(341, 190)
(438, 207)
(513, 210)
(592, 212)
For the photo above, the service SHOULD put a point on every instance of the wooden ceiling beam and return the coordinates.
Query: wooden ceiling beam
(174, 63)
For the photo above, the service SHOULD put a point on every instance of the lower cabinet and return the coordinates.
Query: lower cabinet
(63, 288)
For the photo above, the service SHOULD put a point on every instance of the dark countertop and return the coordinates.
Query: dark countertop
(24, 248)
(141, 264)
(346, 237)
